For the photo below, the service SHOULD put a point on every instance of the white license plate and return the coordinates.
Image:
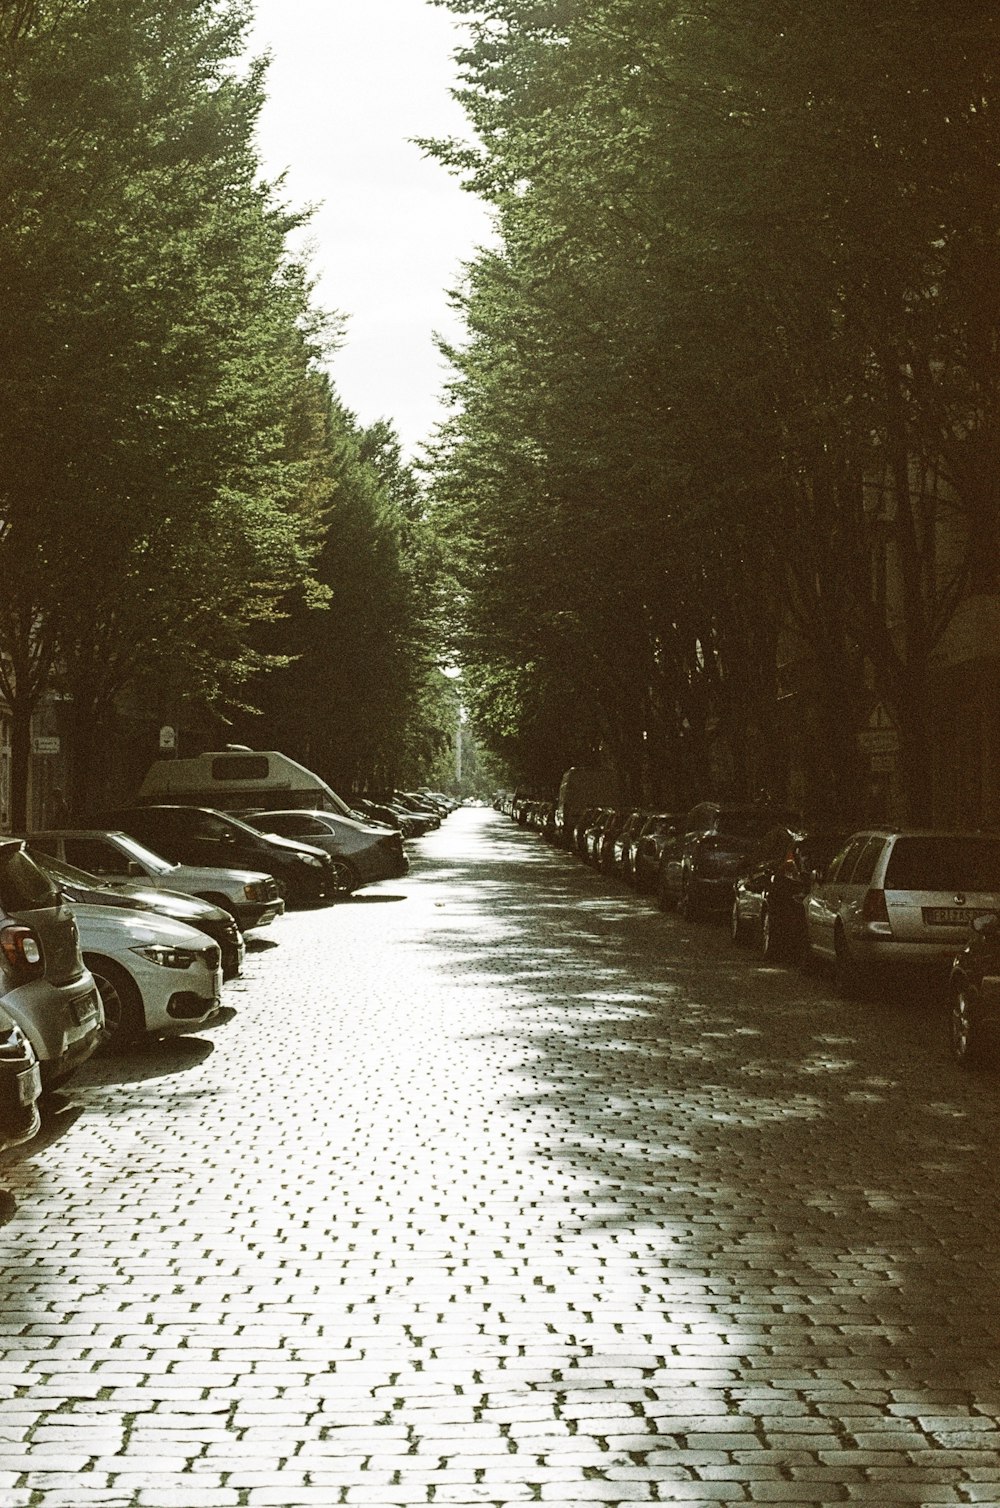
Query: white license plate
(29, 1085)
(951, 916)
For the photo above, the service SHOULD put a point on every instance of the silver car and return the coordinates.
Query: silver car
(896, 898)
(249, 895)
(45, 987)
(362, 853)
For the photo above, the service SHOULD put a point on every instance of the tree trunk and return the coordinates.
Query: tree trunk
(20, 761)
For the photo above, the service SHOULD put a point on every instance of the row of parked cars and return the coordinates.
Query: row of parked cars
(130, 926)
(868, 904)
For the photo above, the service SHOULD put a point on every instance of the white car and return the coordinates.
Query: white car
(251, 896)
(156, 977)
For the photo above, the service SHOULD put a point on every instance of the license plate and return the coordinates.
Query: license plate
(951, 916)
(84, 1011)
(29, 1085)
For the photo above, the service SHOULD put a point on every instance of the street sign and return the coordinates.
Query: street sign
(879, 741)
(168, 738)
(881, 735)
(45, 745)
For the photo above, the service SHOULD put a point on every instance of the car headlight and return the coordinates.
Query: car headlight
(167, 958)
(313, 860)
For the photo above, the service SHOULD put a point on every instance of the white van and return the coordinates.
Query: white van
(231, 779)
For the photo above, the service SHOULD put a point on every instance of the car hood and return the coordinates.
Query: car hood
(290, 846)
(110, 927)
(208, 875)
(183, 908)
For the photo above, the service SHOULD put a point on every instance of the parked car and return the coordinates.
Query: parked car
(623, 845)
(893, 899)
(594, 832)
(20, 1085)
(45, 987)
(80, 887)
(119, 861)
(604, 847)
(412, 803)
(156, 977)
(974, 995)
(360, 854)
(408, 823)
(200, 835)
(649, 845)
(769, 898)
(697, 874)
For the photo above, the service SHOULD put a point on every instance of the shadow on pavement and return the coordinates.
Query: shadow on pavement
(59, 1113)
(740, 1123)
(155, 1058)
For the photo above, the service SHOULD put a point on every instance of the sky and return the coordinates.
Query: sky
(350, 81)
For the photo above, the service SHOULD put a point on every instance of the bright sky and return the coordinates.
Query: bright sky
(350, 82)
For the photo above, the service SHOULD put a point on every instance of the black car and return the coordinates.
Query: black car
(697, 872)
(201, 835)
(974, 995)
(769, 898)
(652, 838)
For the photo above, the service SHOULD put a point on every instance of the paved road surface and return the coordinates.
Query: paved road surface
(501, 1187)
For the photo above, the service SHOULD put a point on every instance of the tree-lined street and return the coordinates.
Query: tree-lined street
(498, 1185)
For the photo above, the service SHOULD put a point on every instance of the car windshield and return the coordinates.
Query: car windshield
(67, 872)
(23, 886)
(944, 863)
(143, 855)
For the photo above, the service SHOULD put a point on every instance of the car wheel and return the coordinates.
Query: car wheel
(965, 1027)
(690, 907)
(124, 1019)
(343, 879)
(846, 974)
(767, 939)
(737, 927)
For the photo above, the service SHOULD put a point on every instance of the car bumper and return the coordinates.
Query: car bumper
(251, 914)
(176, 1001)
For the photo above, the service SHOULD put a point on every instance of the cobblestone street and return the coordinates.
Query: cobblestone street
(499, 1186)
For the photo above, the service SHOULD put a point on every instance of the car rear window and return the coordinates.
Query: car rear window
(944, 863)
(23, 886)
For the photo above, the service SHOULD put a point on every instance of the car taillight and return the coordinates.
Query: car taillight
(875, 913)
(790, 868)
(22, 950)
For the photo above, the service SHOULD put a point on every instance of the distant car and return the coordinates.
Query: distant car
(769, 898)
(201, 835)
(130, 895)
(649, 845)
(697, 874)
(156, 977)
(416, 804)
(20, 1085)
(408, 823)
(623, 845)
(117, 860)
(893, 899)
(45, 987)
(973, 995)
(360, 854)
